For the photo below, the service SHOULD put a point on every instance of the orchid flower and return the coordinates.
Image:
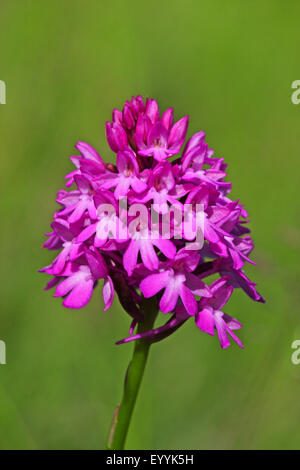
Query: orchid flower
(101, 238)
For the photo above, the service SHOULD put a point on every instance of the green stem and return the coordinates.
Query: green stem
(133, 378)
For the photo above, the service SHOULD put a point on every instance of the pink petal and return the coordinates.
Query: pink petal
(153, 283)
(61, 228)
(109, 180)
(149, 257)
(167, 118)
(158, 135)
(83, 184)
(138, 185)
(197, 286)
(170, 296)
(178, 131)
(108, 293)
(79, 211)
(222, 331)
(92, 209)
(152, 110)
(80, 295)
(126, 159)
(130, 256)
(188, 300)
(166, 247)
(220, 297)
(193, 142)
(210, 233)
(88, 152)
(87, 232)
(122, 187)
(205, 321)
(66, 285)
(96, 264)
(159, 154)
(60, 261)
(235, 338)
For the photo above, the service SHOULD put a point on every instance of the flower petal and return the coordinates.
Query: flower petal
(130, 256)
(80, 295)
(108, 293)
(205, 321)
(153, 283)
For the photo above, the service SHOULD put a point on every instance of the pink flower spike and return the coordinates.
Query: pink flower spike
(132, 226)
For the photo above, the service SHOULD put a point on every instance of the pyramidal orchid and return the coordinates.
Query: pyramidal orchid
(152, 229)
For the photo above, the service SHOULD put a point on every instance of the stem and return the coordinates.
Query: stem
(133, 378)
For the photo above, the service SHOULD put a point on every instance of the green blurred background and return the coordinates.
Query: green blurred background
(230, 65)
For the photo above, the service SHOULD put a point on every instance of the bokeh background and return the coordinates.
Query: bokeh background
(230, 65)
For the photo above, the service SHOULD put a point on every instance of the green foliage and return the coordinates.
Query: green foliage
(230, 65)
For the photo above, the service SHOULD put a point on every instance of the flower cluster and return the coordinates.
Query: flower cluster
(100, 237)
